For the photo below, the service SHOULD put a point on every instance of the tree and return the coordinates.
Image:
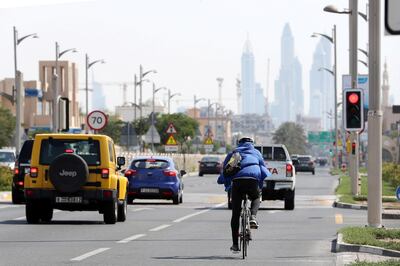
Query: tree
(142, 125)
(185, 126)
(293, 136)
(113, 128)
(7, 127)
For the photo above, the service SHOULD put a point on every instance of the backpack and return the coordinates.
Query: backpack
(232, 167)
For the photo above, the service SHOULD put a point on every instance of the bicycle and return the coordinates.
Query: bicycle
(244, 234)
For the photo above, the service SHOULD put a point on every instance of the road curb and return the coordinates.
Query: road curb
(386, 214)
(345, 247)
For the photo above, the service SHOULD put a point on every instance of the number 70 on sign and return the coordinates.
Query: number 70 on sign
(96, 120)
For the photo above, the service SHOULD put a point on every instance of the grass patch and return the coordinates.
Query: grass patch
(335, 171)
(344, 189)
(5, 178)
(378, 237)
(380, 263)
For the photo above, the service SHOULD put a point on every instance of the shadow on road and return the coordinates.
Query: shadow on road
(65, 222)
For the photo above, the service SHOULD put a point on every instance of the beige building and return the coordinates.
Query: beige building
(68, 87)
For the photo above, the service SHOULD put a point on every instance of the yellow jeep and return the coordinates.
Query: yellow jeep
(75, 172)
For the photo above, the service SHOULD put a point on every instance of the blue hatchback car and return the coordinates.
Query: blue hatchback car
(154, 177)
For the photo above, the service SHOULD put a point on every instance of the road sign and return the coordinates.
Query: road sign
(171, 140)
(208, 141)
(152, 135)
(96, 120)
(392, 19)
(171, 129)
(398, 193)
(318, 137)
(171, 148)
(208, 148)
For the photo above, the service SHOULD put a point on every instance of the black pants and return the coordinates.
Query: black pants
(240, 187)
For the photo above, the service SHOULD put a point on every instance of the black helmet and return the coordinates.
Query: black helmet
(245, 139)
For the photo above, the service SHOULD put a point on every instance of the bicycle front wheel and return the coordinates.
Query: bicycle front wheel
(244, 234)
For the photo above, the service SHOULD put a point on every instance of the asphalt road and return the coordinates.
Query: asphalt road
(196, 232)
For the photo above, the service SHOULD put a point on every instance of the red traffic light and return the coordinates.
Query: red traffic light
(353, 98)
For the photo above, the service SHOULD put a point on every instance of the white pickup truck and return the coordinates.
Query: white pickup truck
(281, 184)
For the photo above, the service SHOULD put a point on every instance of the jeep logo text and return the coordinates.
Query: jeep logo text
(68, 173)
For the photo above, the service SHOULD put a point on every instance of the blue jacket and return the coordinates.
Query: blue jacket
(252, 165)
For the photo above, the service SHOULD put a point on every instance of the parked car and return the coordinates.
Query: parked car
(7, 158)
(154, 177)
(305, 163)
(322, 161)
(210, 165)
(22, 167)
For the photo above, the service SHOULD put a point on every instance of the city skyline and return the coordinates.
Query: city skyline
(187, 50)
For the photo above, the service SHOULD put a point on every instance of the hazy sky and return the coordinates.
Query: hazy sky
(189, 42)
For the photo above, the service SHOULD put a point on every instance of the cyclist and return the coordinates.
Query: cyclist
(248, 181)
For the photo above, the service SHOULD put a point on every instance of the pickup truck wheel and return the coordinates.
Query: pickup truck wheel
(46, 213)
(32, 213)
(110, 212)
(289, 200)
(122, 209)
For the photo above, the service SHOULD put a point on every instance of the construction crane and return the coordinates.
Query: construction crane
(124, 86)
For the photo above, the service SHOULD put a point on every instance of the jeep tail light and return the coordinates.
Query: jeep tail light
(69, 151)
(105, 173)
(16, 171)
(130, 173)
(169, 173)
(20, 183)
(289, 170)
(34, 172)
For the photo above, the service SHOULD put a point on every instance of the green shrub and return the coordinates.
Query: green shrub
(391, 173)
(5, 178)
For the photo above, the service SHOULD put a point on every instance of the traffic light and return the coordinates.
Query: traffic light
(353, 110)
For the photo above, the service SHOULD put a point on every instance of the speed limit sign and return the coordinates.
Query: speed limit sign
(96, 120)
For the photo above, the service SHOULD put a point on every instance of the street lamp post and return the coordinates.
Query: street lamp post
(152, 114)
(170, 96)
(208, 115)
(87, 66)
(333, 40)
(141, 76)
(194, 105)
(55, 85)
(17, 88)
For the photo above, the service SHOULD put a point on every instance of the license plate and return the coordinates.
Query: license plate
(210, 164)
(68, 199)
(27, 170)
(149, 190)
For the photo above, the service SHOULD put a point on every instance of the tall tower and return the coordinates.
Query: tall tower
(248, 90)
(385, 87)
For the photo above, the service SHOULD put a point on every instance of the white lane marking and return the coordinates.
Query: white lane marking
(141, 209)
(24, 217)
(9, 206)
(197, 213)
(129, 239)
(158, 228)
(89, 254)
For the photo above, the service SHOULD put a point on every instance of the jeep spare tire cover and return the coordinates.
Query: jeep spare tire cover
(68, 172)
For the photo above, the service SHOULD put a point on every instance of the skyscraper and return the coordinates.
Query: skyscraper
(288, 87)
(248, 89)
(321, 84)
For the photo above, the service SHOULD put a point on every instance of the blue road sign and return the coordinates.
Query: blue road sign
(398, 193)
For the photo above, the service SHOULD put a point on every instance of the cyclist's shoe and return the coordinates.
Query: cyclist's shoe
(235, 248)
(253, 222)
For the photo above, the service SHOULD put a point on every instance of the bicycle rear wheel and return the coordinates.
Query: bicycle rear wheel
(244, 232)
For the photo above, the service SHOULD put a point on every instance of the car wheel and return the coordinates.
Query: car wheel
(16, 198)
(313, 172)
(200, 174)
(46, 213)
(32, 213)
(181, 198)
(122, 209)
(289, 200)
(175, 199)
(130, 200)
(110, 212)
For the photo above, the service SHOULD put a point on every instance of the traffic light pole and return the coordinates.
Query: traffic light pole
(353, 38)
(374, 118)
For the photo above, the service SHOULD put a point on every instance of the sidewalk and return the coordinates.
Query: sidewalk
(386, 213)
(5, 196)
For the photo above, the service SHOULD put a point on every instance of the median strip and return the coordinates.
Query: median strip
(89, 254)
(129, 239)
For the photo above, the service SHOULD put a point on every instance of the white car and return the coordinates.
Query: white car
(281, 184)
(7, 158)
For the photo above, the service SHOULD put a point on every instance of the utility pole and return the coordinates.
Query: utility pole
(353, 60)
(374, 117)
